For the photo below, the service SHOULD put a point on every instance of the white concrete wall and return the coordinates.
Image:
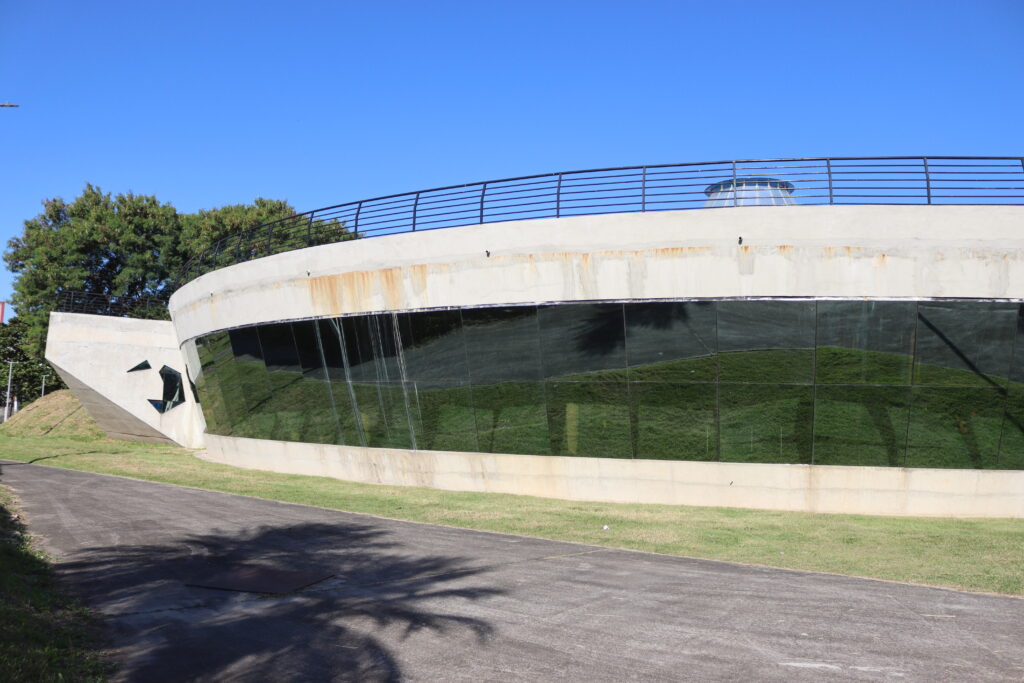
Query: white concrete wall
(92, 354)
(808, 488)
(826, 251)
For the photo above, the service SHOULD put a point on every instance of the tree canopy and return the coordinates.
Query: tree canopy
(30, 375)
(127, 246)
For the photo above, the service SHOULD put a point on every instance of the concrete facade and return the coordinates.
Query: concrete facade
(93, 354)
(791, 251)
(805, 488)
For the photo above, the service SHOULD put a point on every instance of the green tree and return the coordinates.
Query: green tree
(97, 244)
(30, 374)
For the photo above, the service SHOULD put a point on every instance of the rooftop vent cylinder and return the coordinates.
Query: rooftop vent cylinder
(750, 191)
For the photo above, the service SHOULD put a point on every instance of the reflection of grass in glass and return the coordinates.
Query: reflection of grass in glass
(853, 366)
(661, 417)
(768, 365)
(955, 428)
(383, 416)
(765, 423)
(511, 418)
(860, 425)
(703, 369)
(589, 419)
(443, 418)
(940, 376)
(674, 421)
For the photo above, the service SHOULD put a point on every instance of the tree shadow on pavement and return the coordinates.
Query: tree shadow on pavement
(340, 629)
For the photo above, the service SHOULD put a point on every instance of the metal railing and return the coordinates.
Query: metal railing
(150, 307)
(664, 187)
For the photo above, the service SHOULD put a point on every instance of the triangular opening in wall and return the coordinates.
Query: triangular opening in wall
(144, 365)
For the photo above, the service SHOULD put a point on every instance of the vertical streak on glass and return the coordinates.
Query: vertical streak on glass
(718, 384)
(814, 378)
(339, 329)
(910, 402)
(403, 378)
(1009, 387)
(634, 409)
(327, 380)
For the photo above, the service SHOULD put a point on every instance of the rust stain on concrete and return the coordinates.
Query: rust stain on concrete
(786, 248)
(881, 260)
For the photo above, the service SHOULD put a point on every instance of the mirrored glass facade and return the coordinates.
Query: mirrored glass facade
(875, 383)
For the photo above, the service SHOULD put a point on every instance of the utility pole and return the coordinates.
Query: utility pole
(10, 376)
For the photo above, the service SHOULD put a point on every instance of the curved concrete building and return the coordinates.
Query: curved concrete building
(798, 352)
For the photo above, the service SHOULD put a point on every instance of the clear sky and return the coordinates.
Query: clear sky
(213, 102)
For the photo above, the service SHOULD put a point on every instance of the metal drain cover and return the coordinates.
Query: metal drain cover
(259, 579)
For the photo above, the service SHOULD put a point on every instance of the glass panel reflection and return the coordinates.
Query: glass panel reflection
(765, 423)
(383, 415)
(955, 427)
(502, 344)
(674, 421)
(589, 418)
(672, 341)
(861, 425)
(442, 415)
(511, 417)
(433, 345)
(766, 341)
(964, 343)
(1011, 445)
(865, 342)
(581, 339)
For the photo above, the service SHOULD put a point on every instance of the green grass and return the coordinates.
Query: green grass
(975, 554)
(44, 634)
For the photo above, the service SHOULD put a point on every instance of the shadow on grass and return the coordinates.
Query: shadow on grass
(340, 629)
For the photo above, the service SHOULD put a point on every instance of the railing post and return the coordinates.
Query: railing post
(558, 197)
(828, 165)
(309, 231)
(415, 206)
(735, 190)
(643, 189)
(927, 179)
(483, 191)
(355, 227)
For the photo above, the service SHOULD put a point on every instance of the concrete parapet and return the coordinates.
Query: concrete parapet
(805, 488)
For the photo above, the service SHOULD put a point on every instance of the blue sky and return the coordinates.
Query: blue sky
(218, 102)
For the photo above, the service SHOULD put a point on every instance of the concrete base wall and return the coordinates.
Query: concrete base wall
(807, 488)
(93, 353)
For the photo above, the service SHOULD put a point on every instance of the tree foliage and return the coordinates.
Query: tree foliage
(127, 246)
(30, 375)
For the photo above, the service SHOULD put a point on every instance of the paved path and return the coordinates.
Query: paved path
(421, 602)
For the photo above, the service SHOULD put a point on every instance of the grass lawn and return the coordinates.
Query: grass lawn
(44, 634)
(969, 554)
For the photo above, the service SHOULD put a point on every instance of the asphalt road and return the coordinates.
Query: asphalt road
(420, 602)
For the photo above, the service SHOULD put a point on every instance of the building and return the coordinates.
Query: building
(836, 335)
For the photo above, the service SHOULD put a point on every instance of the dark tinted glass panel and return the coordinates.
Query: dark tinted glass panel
(674, 421)
(582, 339)
(342, 394)
(865, 342)
(442, 415)
(861, 425)
(502, 344)
(766, 341)
(511, 417)
(955, 427)
(278, 346)
(301, 400)
(1017, 369)
(371, 347)
(671, 342)
(964, 343)
(589, 419)
(383, 414)
(765, 423)
(1011, 446)
(245, 344)
(433, 345)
